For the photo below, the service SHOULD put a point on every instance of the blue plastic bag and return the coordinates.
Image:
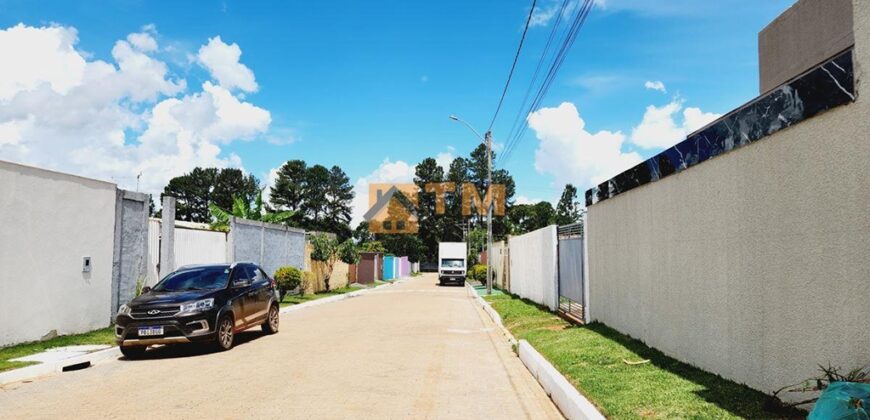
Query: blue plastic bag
(843, 400)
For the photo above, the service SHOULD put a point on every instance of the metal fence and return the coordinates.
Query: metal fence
(571, 271)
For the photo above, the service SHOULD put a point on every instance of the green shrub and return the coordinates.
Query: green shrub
(477, 273)
(287, 278)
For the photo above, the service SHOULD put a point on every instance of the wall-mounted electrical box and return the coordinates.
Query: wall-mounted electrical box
(86, 264)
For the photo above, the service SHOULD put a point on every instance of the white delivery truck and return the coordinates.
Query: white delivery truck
(452, 257)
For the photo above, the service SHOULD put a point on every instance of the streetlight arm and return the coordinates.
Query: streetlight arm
(455, 118)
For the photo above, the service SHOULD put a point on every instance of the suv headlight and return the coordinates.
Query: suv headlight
(124, 310)
(198, 306)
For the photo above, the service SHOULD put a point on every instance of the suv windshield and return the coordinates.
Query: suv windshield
(200, 278)
(452, 263)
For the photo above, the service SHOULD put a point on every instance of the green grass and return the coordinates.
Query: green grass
(296, 299)
(591, 357)
(102, 336)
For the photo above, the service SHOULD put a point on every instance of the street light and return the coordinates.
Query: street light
(487, 140)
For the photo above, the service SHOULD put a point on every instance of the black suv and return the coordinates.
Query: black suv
(201, 303)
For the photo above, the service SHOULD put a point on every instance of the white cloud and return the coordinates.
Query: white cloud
(270, 178)
(40, 56)
(444, 159)
(112, 120)
(656, 85)
(573, 155)
(387, 172)
(543, 15)
(521, 199)
(222, 61)
(144, 41)
(659, 128)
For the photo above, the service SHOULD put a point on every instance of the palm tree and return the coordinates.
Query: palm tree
(245, 210)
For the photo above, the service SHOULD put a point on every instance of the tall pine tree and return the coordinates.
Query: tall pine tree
(568, 209)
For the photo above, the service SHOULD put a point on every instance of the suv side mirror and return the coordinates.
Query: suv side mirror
(146, 289)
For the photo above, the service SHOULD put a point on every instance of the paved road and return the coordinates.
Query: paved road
(411, 350)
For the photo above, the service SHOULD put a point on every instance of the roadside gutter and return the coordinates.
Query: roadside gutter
(570, 402)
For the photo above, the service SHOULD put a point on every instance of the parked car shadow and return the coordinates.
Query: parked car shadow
(173, 351)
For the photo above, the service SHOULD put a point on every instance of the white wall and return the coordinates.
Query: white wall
(753, 265)
(192, 246)
(48, 222)
(199, 247)
(533, 265)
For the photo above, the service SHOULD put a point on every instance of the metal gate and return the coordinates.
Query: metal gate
(571, 281)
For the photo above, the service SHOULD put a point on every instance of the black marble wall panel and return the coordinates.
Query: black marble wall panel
(827, 86)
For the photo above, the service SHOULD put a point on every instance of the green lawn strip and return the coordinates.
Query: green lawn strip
(296, 299)
(101, 336)
(591, 357)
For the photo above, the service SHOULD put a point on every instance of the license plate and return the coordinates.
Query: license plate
(150, 331)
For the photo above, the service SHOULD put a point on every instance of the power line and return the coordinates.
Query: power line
(558, 58)
(519, 117)
(570, 35)
(514, 65)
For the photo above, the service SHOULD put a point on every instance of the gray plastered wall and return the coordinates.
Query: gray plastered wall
(752, 265)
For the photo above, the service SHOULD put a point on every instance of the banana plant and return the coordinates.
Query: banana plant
(245, 210)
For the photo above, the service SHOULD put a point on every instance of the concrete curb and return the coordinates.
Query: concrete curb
(496, 318)
(44, 369)
(337, 298)
(571, 403)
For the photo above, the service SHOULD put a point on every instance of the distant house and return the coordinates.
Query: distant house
(392, 212)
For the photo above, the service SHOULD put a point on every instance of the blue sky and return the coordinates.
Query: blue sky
(357, 83)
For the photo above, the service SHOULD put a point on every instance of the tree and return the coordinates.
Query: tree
(373, 246)
(314, 202)
(568, 209)
(476, 244)
(403, 244)
(288, 193)
(431, 224)
(325, 251)
(199, 188)
(151, 210)
(339, 198)
(525, 218)
(348, 252)
(361, 234)
(230, 183)
(245, 210)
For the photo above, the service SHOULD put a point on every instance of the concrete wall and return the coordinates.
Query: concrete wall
(269, 245)
(534, 274)
(49, 221)
(752, 265)
(130, 246)
(808, 33)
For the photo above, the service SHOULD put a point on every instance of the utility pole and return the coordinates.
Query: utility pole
(488, 138)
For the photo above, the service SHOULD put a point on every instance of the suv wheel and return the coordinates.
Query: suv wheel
(133, 352)
(224, 336)
(271, 324)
